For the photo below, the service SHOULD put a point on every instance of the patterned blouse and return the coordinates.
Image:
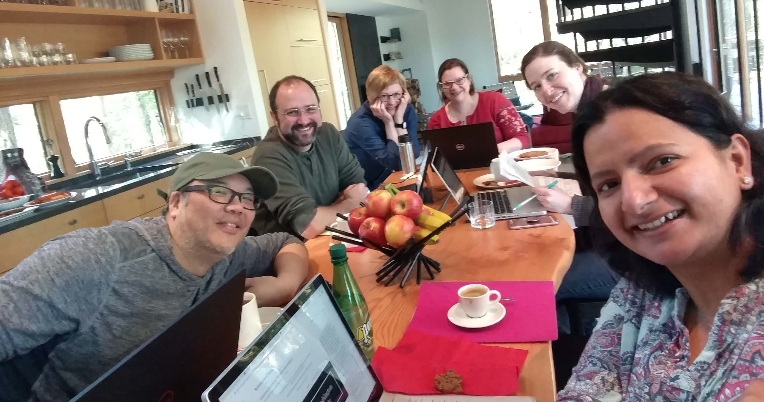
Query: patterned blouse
(640, 349)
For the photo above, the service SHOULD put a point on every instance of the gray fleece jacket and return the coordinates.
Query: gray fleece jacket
(83, 301)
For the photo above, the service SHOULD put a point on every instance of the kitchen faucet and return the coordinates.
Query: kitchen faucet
(93, 164)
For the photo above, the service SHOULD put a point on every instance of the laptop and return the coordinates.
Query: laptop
(466, 147)
(179, 362)
(309, 354)
(503, 199)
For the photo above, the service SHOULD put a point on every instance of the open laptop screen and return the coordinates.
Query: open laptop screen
(306, 354)
(446, 173)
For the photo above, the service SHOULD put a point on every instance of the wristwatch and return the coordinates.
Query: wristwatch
(400, 125)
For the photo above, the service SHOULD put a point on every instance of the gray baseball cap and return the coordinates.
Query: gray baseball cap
(209, 165)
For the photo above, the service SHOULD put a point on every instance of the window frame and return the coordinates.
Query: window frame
(545, 27)
(46, 93)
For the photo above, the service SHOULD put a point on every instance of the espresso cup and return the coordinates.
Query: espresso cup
(250, 326)
(475, 299)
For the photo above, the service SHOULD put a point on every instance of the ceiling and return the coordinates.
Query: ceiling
(372, 8)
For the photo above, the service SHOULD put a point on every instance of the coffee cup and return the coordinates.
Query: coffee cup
(475, 299)
(250, 326)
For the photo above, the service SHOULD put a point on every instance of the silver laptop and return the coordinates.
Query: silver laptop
(503, 199)
(308, 353)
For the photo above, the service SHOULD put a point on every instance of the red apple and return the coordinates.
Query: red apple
(378, 204)
(407, 203)
(374, 230)
(398, 230)
(356, 218)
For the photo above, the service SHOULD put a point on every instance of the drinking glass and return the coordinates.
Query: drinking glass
(169, 41)
(482, 214)
(183, 41)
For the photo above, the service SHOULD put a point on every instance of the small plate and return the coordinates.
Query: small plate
(13, 203)
(268, 315)
(99, 60)
(551, 153)
(9, 216)
(481, 182)
(48, 204)
(458, 317)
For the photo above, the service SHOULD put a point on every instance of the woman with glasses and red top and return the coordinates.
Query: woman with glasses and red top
(372, 131)
(465, 106)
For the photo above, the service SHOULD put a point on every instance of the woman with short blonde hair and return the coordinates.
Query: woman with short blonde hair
(372, 131)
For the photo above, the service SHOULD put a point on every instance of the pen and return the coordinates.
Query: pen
(552, 184)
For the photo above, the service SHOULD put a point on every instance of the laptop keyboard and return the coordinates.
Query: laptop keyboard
(501, 204)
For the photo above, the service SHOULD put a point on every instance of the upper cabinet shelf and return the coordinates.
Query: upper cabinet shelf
(39, 14)
(91, 32)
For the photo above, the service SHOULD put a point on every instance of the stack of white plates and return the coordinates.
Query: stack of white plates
(99, 60)
(132, 52)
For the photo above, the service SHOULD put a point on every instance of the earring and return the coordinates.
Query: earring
(746, 180)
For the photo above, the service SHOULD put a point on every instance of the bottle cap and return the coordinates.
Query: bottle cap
(338, 252)
(404, 138)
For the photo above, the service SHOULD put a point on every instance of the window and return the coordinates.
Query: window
(132, 122)
(520, 25)
(19, 128)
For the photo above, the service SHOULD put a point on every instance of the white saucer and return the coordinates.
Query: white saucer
(458, 317)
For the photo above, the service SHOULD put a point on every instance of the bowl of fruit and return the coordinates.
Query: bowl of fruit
(12, 195)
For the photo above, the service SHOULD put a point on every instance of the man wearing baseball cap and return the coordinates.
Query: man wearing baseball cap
(85, 300)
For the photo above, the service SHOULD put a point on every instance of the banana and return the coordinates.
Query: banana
(443, 217)
(392, 189)
(421, 233)
(429, 221)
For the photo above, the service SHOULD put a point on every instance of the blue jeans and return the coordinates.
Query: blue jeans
(589, 278)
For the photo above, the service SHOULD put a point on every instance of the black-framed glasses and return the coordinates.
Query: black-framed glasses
(224, 195)
(295, 113)
(458, 81)
(395, 96)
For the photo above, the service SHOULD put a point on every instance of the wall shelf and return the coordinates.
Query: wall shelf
(40, 14)
(131, 66)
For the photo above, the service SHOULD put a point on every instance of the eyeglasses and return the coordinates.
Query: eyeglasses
(395, 96)
(296, 112)
(458, 81)
(224, 195)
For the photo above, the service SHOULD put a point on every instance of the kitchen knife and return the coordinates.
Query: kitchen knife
(211, 97)
(188, 94)
(196, 101)
(200, 100)
(223, 97)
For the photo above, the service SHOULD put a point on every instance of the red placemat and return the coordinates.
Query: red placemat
(531, 317)
(411, 367)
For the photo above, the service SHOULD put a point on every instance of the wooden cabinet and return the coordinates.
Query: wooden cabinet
(246, 154)
(304, 26)
(22, 242)
(310, 62)
(288, 40)
(136, 202)
(301, 3)
(326, 97)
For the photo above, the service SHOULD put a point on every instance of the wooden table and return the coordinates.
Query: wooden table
(465, 254)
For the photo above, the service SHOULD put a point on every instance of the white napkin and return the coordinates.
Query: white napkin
(509, 168)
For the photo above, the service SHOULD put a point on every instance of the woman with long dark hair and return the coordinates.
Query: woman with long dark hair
(679, 184)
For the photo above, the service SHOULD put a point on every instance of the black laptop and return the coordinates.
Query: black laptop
(178, 363)
(466, 147)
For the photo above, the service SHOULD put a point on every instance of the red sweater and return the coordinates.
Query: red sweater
(494, 107)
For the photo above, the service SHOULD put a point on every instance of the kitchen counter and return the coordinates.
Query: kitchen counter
(165, 164)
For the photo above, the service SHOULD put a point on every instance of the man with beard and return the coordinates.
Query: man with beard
(318, 175)
(83, 301)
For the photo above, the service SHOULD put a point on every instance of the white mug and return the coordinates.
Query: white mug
(250, 326)
(476, 299)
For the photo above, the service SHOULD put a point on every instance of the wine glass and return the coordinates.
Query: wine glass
(183, 41)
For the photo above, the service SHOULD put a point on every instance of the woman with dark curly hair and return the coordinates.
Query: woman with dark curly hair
(679, 184)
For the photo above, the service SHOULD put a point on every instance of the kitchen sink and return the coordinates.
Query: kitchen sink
(122, 177)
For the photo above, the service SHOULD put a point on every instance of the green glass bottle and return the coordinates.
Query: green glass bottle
(352, 304)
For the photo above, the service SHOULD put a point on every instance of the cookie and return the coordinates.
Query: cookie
(449, 383)
(532, 154)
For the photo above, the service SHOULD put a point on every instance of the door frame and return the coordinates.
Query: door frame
(347, 57)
